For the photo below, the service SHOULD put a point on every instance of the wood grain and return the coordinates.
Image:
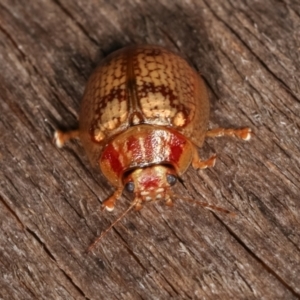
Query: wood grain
(248, 53)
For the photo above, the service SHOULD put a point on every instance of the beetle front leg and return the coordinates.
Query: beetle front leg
(244, 134)
(138, 204)
(109, 204)
(169, 201)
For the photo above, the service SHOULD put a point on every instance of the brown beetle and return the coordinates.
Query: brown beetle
(143, 115)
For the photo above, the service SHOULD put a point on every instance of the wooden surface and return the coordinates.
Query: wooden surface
(248, 53)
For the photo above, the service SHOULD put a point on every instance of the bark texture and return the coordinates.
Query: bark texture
(248, 53)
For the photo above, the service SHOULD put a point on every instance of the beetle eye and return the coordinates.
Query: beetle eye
(171, 179)
(129, 187)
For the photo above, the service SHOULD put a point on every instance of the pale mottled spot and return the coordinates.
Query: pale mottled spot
(151, 66)
(179, 119)
(159, 59)
(155, 77)
(136, 120)
(141, 80)
(171, 84)
(114, 109)
(112, 124)
(156, 105)
(98, 135)
(149, 58)
(118, 71)
(116, 83)
(144, 72)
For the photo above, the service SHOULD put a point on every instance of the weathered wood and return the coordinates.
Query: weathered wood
(248, 53)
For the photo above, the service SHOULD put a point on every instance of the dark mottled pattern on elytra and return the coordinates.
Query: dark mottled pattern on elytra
(142, 85)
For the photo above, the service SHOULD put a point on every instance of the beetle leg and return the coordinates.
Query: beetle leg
(197, 163)
(61, 137)
(169, 201)
(138, 206)
(244, 133)
(109, 204)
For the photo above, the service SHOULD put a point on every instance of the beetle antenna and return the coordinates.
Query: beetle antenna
(209, 206)
(205, 204)
(95, 242)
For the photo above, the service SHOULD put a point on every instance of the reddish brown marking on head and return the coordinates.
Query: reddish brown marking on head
(150, 183)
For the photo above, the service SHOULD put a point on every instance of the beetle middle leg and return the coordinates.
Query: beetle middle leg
(244, 133)
(197, 163)
(60, 137)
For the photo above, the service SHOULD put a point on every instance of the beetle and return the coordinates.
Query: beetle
(144, 113)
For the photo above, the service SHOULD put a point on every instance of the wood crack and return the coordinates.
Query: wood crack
(13, 213)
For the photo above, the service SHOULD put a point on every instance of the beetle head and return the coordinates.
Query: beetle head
(150, 183)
